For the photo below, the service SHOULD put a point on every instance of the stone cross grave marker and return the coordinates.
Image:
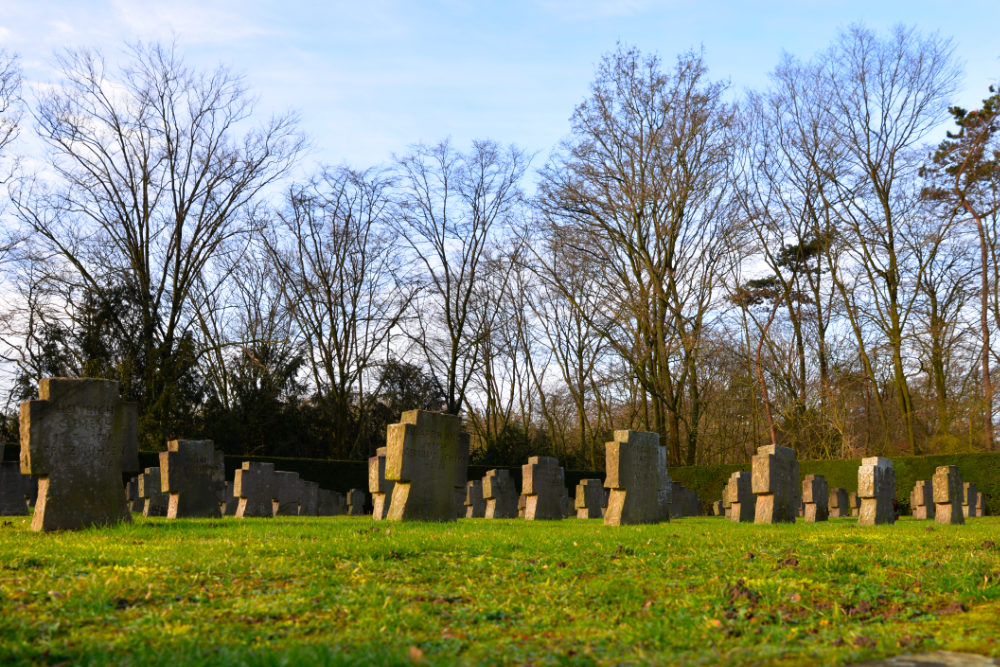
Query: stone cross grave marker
(816, 496)
(378, 485)
(427, 457)
(969, 497)
(922, 499)
(255, 485)
(739, 495)
(331, 503)
(718, 508)
(980, 504)
(229, 502)
(775, 482)
(589, 498)
(193, 473)
(288, 493)
(876, 488)
(356, 502)
(683, 502)
(13, 501)
(639, 488)
(78, 438)
(132, 494)
(154, 500)
(839, 506)
(544, 486)
(947, 485)
(309, 505)
(500, 494)
(854, 503)
(475, 504)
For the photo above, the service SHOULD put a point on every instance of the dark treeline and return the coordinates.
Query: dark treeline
(804, 264)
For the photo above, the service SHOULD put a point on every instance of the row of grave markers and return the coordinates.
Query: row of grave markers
(79, 437)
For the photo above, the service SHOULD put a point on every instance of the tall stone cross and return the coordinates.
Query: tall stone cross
(475, 504)
(775, 482)
(876, 488)
(154, 501)
(922, 499)
(589, 499)
(947, 486)
(254, 483)
(637, 480)
(288, 493)
(816, 496)
(544, 483)
(427, 457)
(378, 485)
(500, 494)
(194, 475)
(739, 495)
(78, 438)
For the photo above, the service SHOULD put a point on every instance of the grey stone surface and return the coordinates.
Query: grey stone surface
(255, 485)
(947, 485)
(378, 485)
(154, 500)
(193, 473)
(877, 489)
(356, 502)
(475, 504)
(739, 495)
(775, 482)
(854, 503)
(544, 488)
(639, 488)
(309, 505)
(588, 499)
(31, 489)
(815, 496)
(718, 508)
(839, 503)
(229, 502)
(78, 438)
(969, 497)
(683, 501)
(132, 494)
(331, 503)
(288, 493)
(922, 499)
(13, 501)
(427, 457)
(980, 504)
(500, 494)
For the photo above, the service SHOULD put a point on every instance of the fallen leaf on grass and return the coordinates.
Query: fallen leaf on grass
(862, 641)
(415, 654)
(953, 608)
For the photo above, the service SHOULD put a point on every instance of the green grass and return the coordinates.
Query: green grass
(347, 590)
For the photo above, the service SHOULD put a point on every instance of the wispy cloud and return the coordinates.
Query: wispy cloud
(193, 21)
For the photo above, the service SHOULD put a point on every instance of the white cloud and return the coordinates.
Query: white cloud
(193, 21)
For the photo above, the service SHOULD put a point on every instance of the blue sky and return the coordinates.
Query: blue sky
(370, 78)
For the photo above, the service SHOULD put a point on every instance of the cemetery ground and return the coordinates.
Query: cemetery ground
(350, 590)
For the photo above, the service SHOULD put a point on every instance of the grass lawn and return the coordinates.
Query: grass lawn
(349, 590)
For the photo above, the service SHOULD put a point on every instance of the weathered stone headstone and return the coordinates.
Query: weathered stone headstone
(475, 504)
(500, 494)
(739, 495)
(30, 489)
(154, 500)
(588, 499)
(356, 502)
(854, 503)
(229, 502)
(309, 504)
(775, 482)
(816, 496)
(980, 504)
(427, 457)
(877, 489)
(255, 485)
(288, 493)
(947, 483)
(718, 508)
(132, 494)
(12, 497)
(193, 473)
(331, 503)
(683, 501)
(522, 501)
(639, 488)
(544, 484)
(78, 438)
(969, 497)
(378, 485)
(922, 499)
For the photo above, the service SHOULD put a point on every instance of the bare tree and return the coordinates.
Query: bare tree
(640, 187)
(453, 210)
(155, 169)
(10, 95)
(341, 272)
